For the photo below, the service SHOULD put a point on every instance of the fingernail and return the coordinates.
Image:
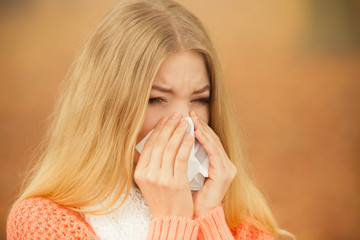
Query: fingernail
(175, 115)
(188, 137)
(183, 122)
(194, 115)
(163, 121)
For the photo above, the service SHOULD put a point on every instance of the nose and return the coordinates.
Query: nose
(185, 114)
(183, 109)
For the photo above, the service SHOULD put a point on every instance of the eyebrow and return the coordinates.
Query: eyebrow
(169, 90)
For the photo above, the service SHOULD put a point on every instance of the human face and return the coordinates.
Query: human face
(185, 77)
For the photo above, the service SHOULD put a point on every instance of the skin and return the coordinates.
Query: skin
(161, 169)
(184, 73)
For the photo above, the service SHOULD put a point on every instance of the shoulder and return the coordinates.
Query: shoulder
(249, 231)
(42, 218)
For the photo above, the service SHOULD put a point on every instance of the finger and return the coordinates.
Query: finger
(182, 157)
(146, 151)
(211, 150)
(161, 141)
(173, 146)
(204, 127)
(208, 133)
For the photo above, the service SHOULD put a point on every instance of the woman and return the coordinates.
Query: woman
(145, 60)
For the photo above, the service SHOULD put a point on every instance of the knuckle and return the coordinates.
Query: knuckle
(140, 178)
(149, 143)
(206, 141)
(179, 130)
(164, 183)
(234, 170)
(215, 153)
(216, 137)
(137, 177)
(177, 187)
(180, 158)
(161, 143)
(225, 176)
(150, 180)
(232, 173)
(157, 147)
(170, 148)
(231, 176)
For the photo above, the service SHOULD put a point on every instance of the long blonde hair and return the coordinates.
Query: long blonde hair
(89, 147)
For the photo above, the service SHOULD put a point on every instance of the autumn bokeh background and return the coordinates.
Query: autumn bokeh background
(292, 69)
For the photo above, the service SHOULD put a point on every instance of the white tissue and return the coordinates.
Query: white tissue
(198, 165)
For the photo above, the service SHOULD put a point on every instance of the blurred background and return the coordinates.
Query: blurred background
(292, 69)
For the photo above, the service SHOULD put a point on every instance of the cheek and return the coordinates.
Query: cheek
(204, 115)
(151, 119)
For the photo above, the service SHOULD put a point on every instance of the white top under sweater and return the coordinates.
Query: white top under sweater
(130, 221)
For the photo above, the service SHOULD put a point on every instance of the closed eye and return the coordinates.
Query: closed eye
(203, 100)
(156, 100)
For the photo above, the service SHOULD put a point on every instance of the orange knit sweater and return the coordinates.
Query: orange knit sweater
(41, 218)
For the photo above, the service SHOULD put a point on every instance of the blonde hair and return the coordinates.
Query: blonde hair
(89, 148)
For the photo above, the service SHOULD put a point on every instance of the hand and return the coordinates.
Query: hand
(161, 172)
(221, 170)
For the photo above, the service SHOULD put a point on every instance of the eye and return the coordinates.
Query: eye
(156, 100)
(203, 100)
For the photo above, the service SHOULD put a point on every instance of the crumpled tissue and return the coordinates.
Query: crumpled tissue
(198, 165)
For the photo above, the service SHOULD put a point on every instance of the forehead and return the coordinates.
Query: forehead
(185, 68)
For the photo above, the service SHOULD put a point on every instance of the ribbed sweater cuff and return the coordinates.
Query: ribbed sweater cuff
(173, 227)
(213, 225)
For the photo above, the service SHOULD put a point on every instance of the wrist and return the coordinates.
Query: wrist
(173, 227)
(205, 211)
(155, 216)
